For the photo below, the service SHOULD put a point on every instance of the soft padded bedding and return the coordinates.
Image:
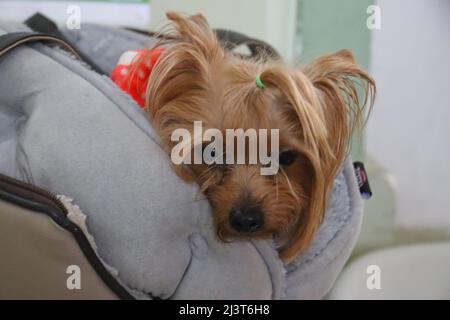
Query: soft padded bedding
(68, 129)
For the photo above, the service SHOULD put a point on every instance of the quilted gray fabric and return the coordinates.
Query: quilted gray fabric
(69, 130)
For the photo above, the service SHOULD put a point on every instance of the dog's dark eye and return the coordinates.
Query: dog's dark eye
(287, 157)
(212, 152)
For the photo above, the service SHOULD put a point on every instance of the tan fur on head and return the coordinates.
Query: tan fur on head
(315, 108)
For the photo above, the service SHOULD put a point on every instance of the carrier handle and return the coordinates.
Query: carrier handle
(12, 40)
(40, 23)
(258, 48)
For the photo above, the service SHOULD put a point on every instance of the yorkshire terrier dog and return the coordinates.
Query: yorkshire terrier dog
(315, 108)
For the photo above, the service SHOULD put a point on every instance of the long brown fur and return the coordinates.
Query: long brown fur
(316, 109)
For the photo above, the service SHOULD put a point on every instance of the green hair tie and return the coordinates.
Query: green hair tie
(259, 82)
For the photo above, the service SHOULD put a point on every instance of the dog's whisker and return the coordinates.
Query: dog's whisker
(276, 183)
(290, 185)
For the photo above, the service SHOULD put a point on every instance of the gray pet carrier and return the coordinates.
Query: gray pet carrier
(90, 208)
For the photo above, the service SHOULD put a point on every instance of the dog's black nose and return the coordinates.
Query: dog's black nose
(246, 219)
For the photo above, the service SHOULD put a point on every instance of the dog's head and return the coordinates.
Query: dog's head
(314, 108)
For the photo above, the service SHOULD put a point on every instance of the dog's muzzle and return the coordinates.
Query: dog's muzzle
(246, 219)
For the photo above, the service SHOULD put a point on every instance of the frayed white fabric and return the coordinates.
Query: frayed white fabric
(79, 218)
(75, 215)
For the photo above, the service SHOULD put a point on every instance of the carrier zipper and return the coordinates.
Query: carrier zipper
(40, 200)
(33, 193)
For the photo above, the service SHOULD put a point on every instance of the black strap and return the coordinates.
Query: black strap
(12, 40)
(231, 40)
(40, 23)
(258, 48)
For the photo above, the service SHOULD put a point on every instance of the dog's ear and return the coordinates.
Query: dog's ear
(195, 31)
(327, 108)
(183, 70)
(293, 89)
(334, 79)
(179, 85)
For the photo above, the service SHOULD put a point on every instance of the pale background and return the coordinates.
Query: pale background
(409, 132)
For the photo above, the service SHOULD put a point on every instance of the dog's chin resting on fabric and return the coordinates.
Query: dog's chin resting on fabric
(316, 109)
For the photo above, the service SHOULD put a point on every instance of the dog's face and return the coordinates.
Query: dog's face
(247, 203)
(313, 109)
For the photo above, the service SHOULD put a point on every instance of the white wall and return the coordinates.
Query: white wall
(409, 132)
(123, 13)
